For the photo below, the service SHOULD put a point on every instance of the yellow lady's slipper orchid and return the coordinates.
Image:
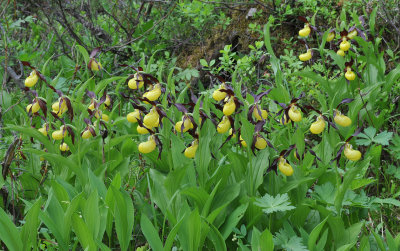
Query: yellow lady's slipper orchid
(352, 34)
(95, 66)
(64, 147)
(345, 45)
(43, 130)
(32, 79)
(154, 94)
(86, 134)
(218, 95)
(190, 152)
(142, 130)
(261, 143)
(186, 126)
(229, 107)
(305, 31)
(294, 114)
(349, 75)
(244, 144)
(34, 106)
(341, 53)
(136, 82)
(133, 116)
(342, 120)
(318, 126)
(147, 146)
(330, 37)
(224, 125)
(285, 167)
(152, 119)
(264, 114)
(306, 56)
(351, 154)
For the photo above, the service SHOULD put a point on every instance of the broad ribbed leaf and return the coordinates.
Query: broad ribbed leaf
(83, 232)
(30, 229)
(123, 214)
(150, 233)
(9, 233)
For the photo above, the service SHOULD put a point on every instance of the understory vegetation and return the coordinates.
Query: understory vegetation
(200, 125)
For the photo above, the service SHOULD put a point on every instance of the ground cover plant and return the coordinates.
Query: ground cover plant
(297, 151)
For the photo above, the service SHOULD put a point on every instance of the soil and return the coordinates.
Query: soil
(240, 36)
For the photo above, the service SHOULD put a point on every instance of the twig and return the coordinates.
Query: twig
(48, 45)
(97, 32)
(118, 22)
(5, 39)
(231, 6)
(66, 25)
(50, 241)
(11, 107)
(140, 11)
(156, 1)
(144, 33)
(148, 11)
(5, 7)
(59, 37)
(14, 76)
(265, 6)
(226, 3)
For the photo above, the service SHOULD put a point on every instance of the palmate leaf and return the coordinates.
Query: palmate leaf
(392, 170)
(389, 201)
(383, 138)
(370, 132)
(287, 239)
(294, 244)
(325, 193)
(366, 137)
(395, 147)
(364, 142)
(369, 136)
(270, 204)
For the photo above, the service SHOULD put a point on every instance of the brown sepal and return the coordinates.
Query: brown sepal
(70, 109)
(92, 131)
(344, 101)
(344, 33)
(43, 106)
(71, 132)
(94, 52)
(304, 19)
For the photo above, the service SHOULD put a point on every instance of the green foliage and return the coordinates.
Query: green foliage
(9, 232)
(270, 204)
(287, 239)
(369, 136)
(395, 147)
